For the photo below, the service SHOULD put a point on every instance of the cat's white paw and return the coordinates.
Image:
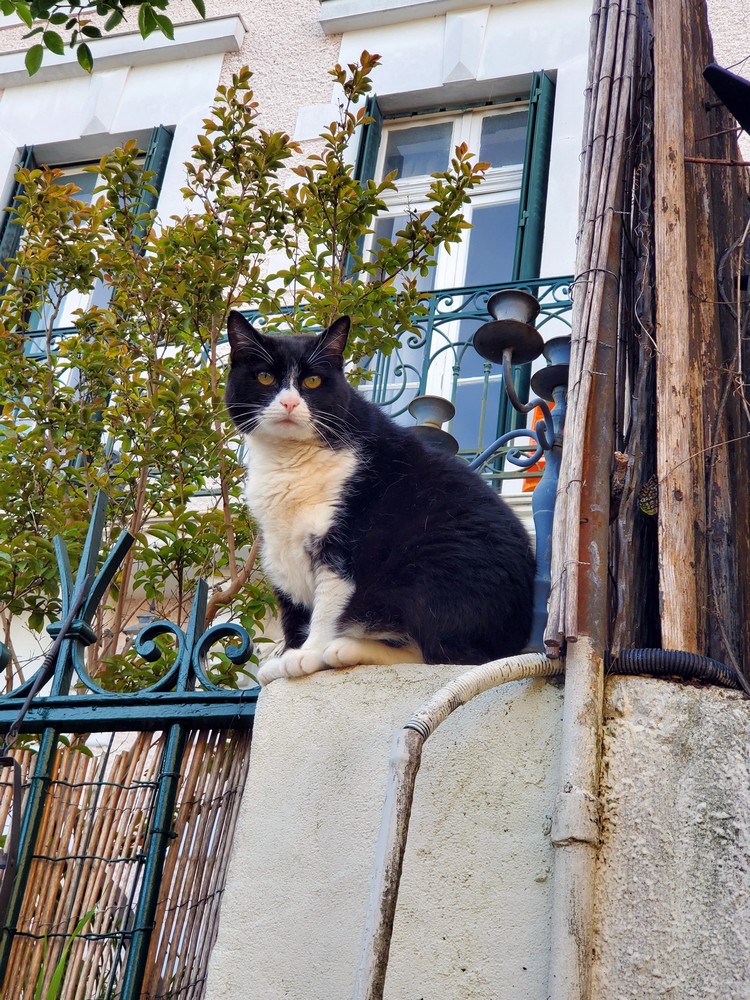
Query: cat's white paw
(344, 652)
(350, 652)
(292, 663)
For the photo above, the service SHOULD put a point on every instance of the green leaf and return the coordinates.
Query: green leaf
(55, 986)
(54, 42)
(147, 22)
(24, 12)
(166, 26)
(200, 7)
(40, 978)
(113, 20)
(33, 59)
(85, 59)
(91, 31)
(58, 18)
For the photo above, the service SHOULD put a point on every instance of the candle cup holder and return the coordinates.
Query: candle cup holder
(431, 412)
(555, 374)
(515, 304)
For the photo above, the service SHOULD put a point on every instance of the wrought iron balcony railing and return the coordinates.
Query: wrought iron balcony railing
(439, 359)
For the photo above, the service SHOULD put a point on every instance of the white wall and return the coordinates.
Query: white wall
(673, 880)
(68, 119)
(138, 84)
(476, 891)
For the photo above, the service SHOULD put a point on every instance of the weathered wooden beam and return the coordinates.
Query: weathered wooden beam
(606, 131)
(678, 374)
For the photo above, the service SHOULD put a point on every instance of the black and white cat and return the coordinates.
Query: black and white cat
(379, 549)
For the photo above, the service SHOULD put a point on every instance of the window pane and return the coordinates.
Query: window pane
(385, 228)
(418, 151)
(492, 244)
(82, 179)
(472, 364)
(473, 429)
(503, 140)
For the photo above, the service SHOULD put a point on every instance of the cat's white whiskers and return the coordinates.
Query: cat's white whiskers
(324, 423)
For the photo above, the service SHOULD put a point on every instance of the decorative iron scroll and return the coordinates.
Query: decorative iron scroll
(439, 333)
(186, 680)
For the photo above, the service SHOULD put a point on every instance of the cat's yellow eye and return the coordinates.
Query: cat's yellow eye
(265, 378)
(312, 381)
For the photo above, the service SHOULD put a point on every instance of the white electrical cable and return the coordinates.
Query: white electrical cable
(406, 756)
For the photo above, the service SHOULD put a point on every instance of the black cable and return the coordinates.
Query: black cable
(671, 662)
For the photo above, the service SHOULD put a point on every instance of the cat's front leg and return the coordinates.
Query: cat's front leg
(295, 621)
(332, 594)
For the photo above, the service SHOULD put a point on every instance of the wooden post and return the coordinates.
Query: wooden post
(678, 375)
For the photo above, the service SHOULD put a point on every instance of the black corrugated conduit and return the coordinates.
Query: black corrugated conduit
(675, 663)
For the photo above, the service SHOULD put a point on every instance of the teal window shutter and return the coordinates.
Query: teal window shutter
(367, 158)
(533, 199)
(10, 230)
(157, 156)
(369, 144)
(531, 210)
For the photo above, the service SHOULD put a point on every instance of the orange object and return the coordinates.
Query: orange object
(530, 484)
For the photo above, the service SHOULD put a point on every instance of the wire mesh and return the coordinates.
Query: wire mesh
(89, 862)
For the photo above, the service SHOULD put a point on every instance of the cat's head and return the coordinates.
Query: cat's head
(287, 388)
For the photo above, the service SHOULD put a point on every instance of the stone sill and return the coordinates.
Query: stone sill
(350, 15)
(197, 38)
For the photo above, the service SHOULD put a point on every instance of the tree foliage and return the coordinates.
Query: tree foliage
(75, 23)
(130, 400)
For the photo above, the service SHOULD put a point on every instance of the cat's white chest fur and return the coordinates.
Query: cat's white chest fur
(293, 491)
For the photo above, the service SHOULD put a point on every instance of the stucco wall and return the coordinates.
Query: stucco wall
(673, 889)
(475, 900)
(729, 21)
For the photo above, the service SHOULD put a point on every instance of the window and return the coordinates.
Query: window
(503, 245)
(59, 311)
(155, 160)
(415, 151)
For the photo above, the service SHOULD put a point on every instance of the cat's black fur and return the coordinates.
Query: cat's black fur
(434, 554)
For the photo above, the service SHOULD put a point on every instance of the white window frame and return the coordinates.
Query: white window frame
(501, 185)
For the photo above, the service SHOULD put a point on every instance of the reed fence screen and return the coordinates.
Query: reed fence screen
(91, 853)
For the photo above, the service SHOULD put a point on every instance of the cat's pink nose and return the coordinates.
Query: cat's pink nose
(289, 403)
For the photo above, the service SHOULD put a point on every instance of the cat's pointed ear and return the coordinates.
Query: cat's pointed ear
(244, 339)
(336, 335)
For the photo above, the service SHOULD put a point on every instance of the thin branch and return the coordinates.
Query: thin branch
(220, 598)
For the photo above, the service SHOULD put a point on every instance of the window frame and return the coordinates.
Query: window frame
(501, 185)
(156, 160)
(532, 194)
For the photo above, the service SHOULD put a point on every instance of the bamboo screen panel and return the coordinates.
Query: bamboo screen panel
(89, 856)
(187, 920)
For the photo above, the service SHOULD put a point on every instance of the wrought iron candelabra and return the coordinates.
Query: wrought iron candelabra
(511, 339)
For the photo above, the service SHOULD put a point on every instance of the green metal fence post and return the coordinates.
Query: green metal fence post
(159, 837)
(32, 817)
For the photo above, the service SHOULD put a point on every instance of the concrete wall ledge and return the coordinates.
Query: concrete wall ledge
(673, 875)
(474, 911)
(477, 874)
